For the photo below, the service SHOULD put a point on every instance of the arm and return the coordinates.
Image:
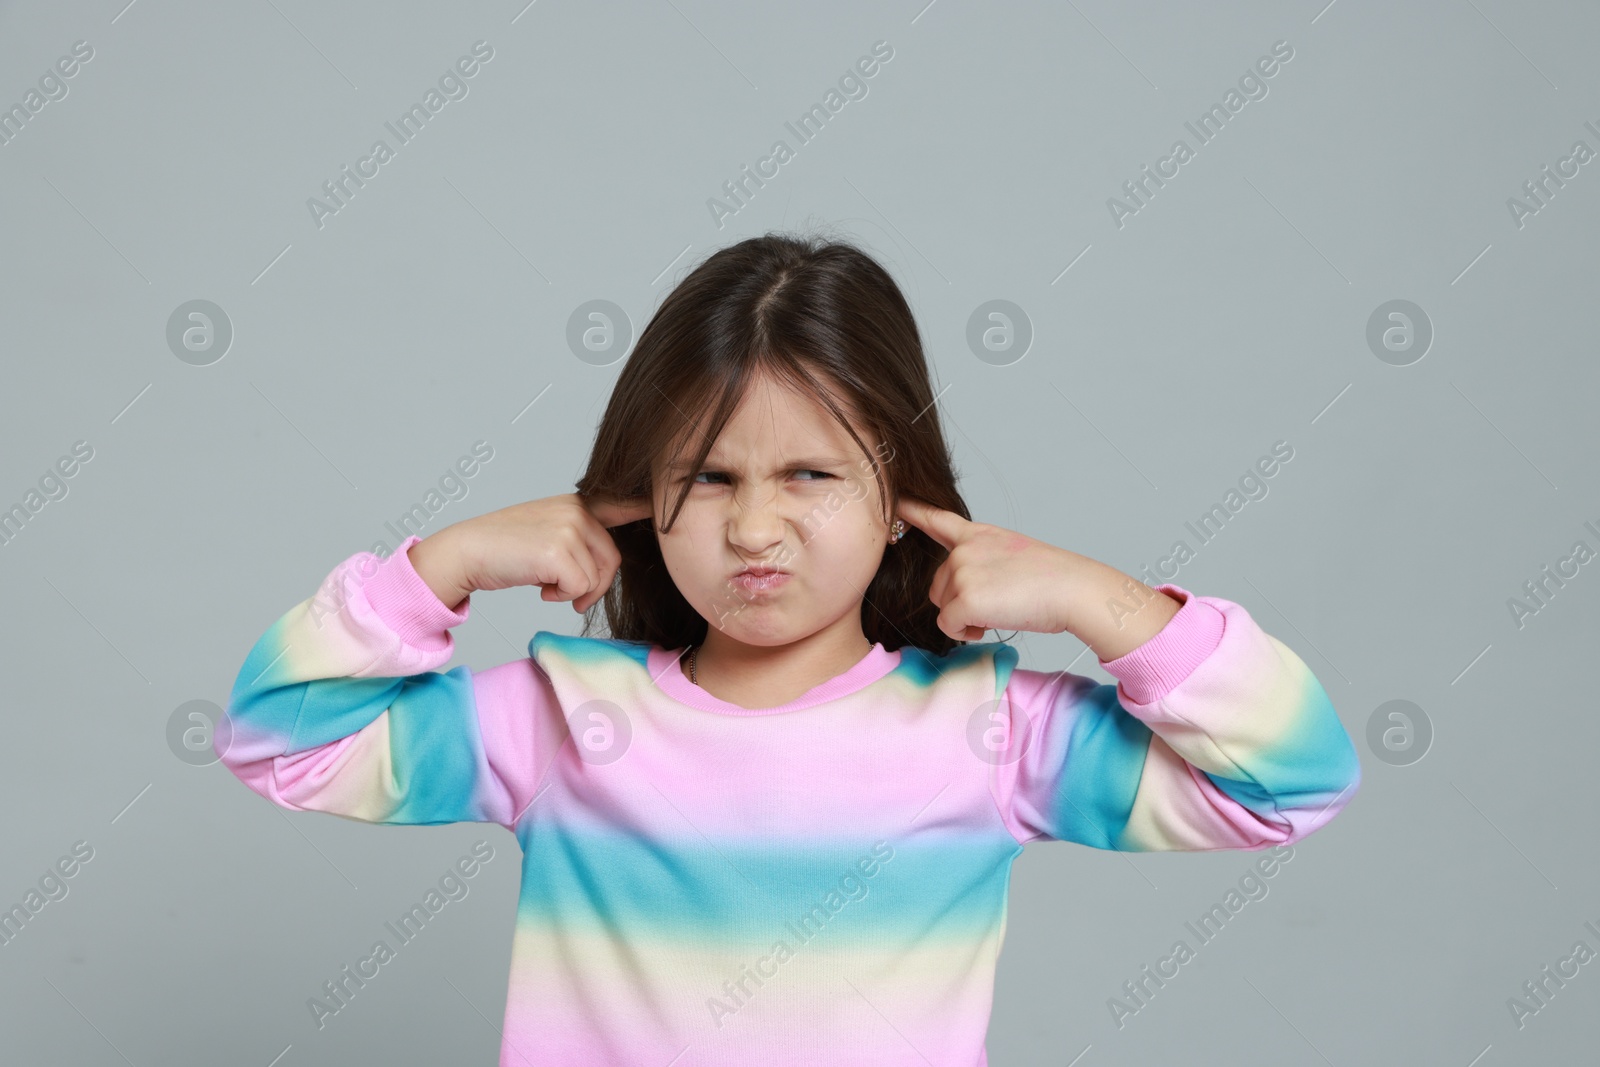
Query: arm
(339, 708)
(1216, 736)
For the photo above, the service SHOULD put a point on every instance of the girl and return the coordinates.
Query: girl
(771, 818)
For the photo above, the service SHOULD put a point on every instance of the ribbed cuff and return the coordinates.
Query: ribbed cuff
(1155, 668)
(407, 605)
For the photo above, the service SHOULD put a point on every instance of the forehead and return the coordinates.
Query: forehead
(775, 425)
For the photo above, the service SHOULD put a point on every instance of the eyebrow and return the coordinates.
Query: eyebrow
(802, 463)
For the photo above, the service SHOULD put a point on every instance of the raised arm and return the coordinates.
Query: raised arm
(339, 707)
(1216, 736)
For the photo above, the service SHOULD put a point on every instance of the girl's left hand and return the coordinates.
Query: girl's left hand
(994, 578)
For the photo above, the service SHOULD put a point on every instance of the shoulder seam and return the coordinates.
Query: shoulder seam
(538, 785)
(993, 771)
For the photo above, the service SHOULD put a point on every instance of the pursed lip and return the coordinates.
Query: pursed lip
(759, 571)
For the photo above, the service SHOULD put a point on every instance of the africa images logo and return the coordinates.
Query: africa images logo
(453, 85)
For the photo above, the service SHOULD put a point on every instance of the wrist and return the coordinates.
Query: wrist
(440, 561)
(1112, 612)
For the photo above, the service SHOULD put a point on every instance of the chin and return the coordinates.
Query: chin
(771, 636)
(771, 631)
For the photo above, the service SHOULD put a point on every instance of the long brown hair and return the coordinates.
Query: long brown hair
(823, 317)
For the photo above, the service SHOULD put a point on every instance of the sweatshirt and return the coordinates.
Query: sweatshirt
(823, 881)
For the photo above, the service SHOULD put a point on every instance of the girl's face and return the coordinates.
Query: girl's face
(784, 486)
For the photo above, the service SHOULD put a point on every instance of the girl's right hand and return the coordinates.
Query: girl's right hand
(560, 543)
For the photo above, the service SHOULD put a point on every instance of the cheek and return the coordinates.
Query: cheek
(689, 534)
(861, 513)
(848, 537)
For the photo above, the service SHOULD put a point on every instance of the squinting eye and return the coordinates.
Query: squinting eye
(718, 474)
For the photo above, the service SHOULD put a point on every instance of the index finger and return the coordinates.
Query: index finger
(611, 513)
(945, 527)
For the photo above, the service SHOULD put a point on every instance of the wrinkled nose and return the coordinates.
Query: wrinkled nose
(755, 524)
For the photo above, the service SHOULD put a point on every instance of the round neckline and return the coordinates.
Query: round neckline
(668, 676)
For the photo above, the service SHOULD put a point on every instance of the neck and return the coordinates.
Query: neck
(766, 676)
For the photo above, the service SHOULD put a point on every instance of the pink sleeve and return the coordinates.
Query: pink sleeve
(1215, 736)
(339, 707)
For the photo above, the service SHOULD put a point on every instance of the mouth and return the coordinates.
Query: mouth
(760, 579)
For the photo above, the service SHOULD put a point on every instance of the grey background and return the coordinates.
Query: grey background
(1228, 314)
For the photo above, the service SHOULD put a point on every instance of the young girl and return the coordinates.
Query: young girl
(771, 818)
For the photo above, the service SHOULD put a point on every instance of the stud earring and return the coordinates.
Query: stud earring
(897, 530)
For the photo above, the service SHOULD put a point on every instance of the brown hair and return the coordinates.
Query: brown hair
(816, 314)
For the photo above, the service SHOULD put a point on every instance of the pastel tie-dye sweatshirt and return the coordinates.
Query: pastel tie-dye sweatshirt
(822, 882)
